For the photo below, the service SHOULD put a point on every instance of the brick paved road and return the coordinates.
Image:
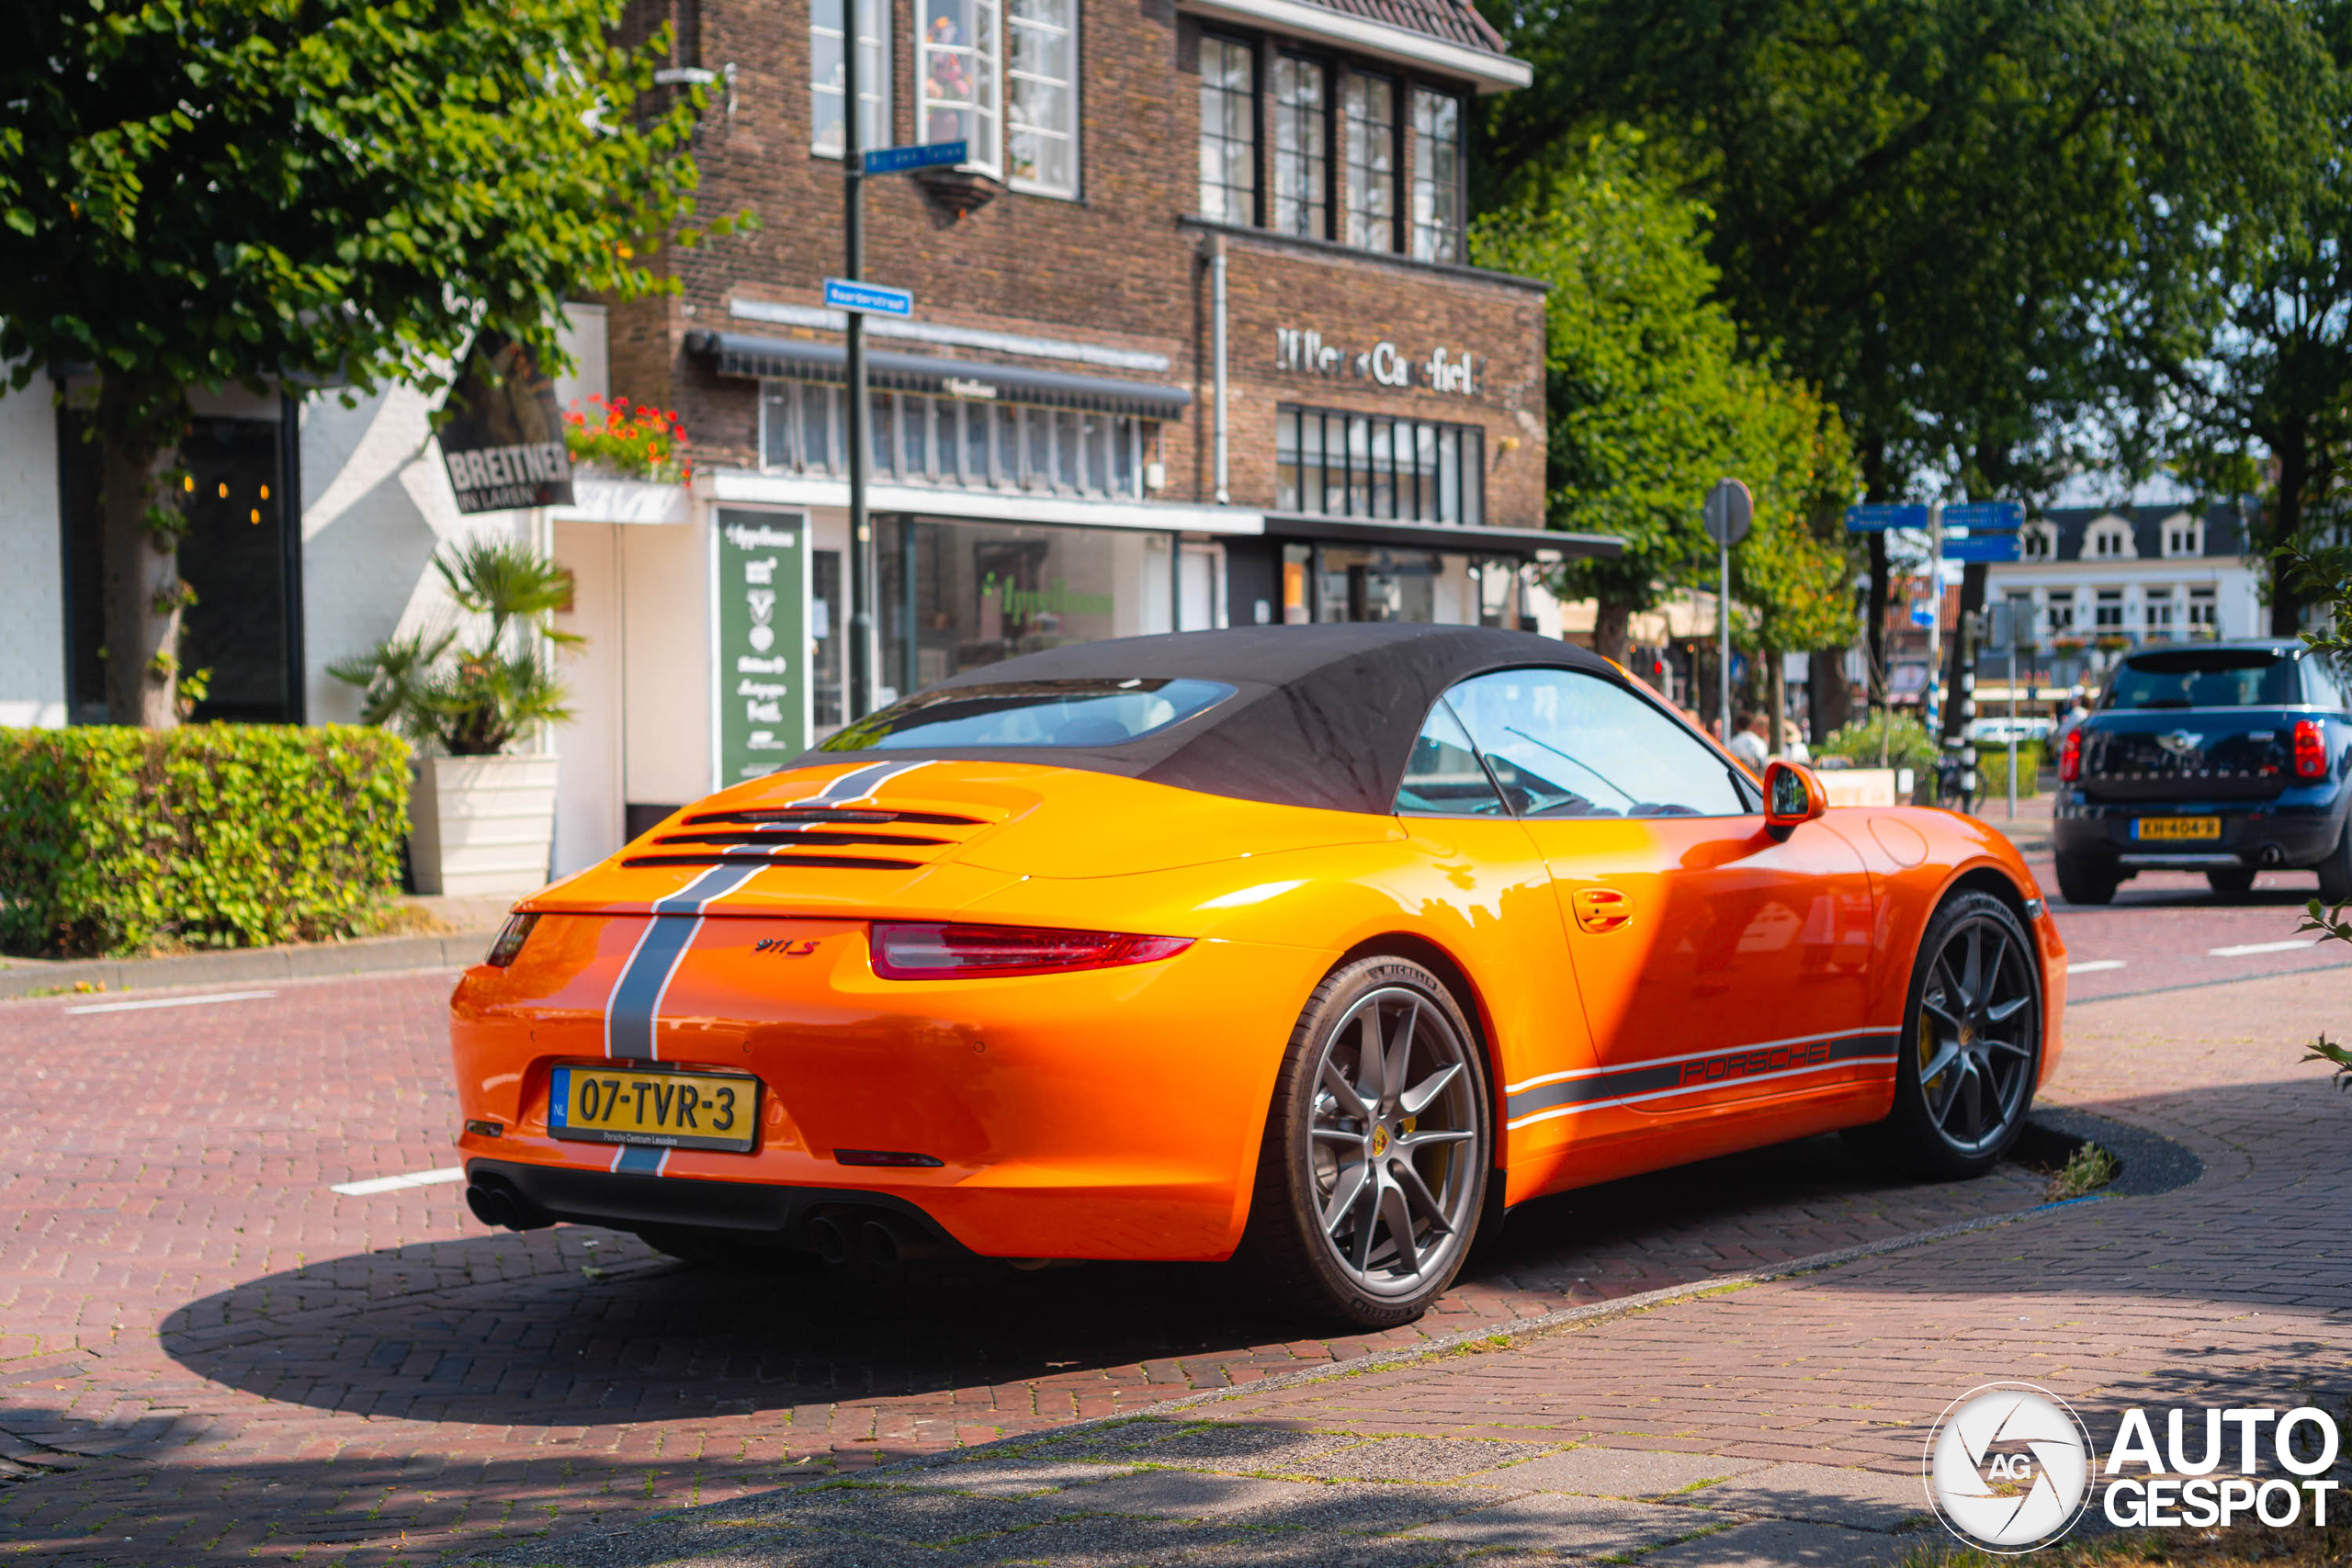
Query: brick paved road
(204, 1353)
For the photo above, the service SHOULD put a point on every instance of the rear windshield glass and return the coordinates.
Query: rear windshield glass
(1031, 712)
(2205, 678)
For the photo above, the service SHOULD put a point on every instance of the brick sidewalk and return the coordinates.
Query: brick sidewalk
(1779, 1424)
(205, 1354)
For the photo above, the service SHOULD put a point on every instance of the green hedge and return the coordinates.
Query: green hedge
(217, 835)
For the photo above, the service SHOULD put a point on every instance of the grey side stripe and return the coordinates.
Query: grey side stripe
(859, 783)
(636, 1002)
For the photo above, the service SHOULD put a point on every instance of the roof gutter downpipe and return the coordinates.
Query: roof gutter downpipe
(1216, 297)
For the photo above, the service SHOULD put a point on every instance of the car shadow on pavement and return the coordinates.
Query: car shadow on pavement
(575, 1326)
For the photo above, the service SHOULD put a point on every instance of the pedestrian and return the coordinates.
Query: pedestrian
(1798, 751)
(1749, 745)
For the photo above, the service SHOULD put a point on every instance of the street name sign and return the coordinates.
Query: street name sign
(1981, 547)
(932, 155)
(1986, 516)
(1879, 516)
(841, 294)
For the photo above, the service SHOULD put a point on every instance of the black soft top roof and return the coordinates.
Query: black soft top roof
(1322, 715)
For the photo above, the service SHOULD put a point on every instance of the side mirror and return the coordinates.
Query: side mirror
(1792, 796)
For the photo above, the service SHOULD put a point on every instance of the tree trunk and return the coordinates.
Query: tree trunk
(1874, 630)
(143, 592)
(1776, 697)
(2293, 451)
(1831, 704)
(1612, 627)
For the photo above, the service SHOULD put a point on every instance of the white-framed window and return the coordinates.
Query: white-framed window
(2110, 538)
(827, 79)
(1228, 129)
(1368, 145)
(2107, 610)
(956, 80)
(1353, 465)
(2060, 607)
(2038, 541)
(1041, 106)
(2204, 613)
(960, 443)
(1437, 176)
(2184, 535)
(1006, 81)
(2157, 607)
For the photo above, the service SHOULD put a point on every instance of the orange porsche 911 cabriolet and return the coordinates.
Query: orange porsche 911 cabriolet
(1313, 947)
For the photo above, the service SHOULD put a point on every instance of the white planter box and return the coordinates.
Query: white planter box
(481, 826)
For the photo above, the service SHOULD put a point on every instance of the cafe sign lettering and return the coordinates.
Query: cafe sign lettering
(1303, 351)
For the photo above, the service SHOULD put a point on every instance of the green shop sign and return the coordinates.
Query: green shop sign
(762, 663)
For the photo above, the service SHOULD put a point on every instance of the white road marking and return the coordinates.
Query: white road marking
(173, 1002)
(2250, 949)
(2092, 967)
(397, 1183)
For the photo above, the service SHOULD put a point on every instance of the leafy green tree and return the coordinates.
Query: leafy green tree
(1947, 214)
(1650, 400)
(195, 193)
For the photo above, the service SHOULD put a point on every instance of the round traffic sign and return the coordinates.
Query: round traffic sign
(1730, 510)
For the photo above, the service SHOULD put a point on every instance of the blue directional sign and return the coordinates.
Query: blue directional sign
(931, 155)
(1877, 517)
(1981, 547)
(872, 298)
(1986, 517)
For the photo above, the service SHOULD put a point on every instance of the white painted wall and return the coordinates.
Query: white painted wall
(666, 681)
(32, 574)
(588, 790)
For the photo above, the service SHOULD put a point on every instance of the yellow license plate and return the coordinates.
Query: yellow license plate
(2176, 827)
(675, 1111)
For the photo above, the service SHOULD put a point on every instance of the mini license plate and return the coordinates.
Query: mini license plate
(2176, 827)
(675, 1111)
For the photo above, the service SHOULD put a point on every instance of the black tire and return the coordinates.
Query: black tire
(1346, 1273)
(1936, 1128)
(2336, 871)
(2233, 882)
(2085, 882)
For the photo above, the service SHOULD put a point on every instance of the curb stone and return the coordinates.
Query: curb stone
(21, 977)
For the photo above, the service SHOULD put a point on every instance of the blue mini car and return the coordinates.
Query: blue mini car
(2225, 758)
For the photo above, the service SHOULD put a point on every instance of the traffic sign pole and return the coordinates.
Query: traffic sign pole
(861, 532)
(1729, 510)
(1931, 703)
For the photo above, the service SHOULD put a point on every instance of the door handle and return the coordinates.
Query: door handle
(1602, 908)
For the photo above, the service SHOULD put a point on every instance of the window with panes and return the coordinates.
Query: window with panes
(1337, 464)
(1002, 76)
(1368, 170)
(827, 80)
(964, 443)
(1438, 196)
(1228, 130)
(1300, 163)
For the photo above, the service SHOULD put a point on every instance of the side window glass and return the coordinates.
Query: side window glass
(1442, 777)
(2324, 678)
(1566, 744)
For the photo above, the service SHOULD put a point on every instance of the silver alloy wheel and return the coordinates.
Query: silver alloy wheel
(1393, 1144)
(1975, 1041)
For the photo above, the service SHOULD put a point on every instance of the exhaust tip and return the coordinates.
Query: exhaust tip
(831, 1240)
(494, 1206)
(880, 1243)
(2273, 854)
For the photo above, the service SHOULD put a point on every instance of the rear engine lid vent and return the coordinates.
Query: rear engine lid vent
(816, 837)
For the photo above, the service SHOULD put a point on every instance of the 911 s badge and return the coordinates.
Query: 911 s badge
(785, 947)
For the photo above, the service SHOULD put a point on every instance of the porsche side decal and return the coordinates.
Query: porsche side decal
(636, 1001)
(1565, 1094)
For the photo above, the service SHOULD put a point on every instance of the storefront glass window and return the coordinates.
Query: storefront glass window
(1041, 118)
(1355, 584)
(826, 76)
(955, 596)
(1228, 130)
(958, 442)
(1437, 176)
(956, 64)
(1368, 112)
(1301, 161)
(1353, 465)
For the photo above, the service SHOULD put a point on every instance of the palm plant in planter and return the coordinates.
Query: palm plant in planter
(481, 821)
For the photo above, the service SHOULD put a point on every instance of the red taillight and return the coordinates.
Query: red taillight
(2070, 756)
(923, 951)
(2310, 748)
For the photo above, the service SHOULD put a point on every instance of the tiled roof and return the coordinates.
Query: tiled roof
(1456, 21)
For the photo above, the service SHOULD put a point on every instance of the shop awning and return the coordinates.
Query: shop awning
(1526, 544)
(800, 359)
